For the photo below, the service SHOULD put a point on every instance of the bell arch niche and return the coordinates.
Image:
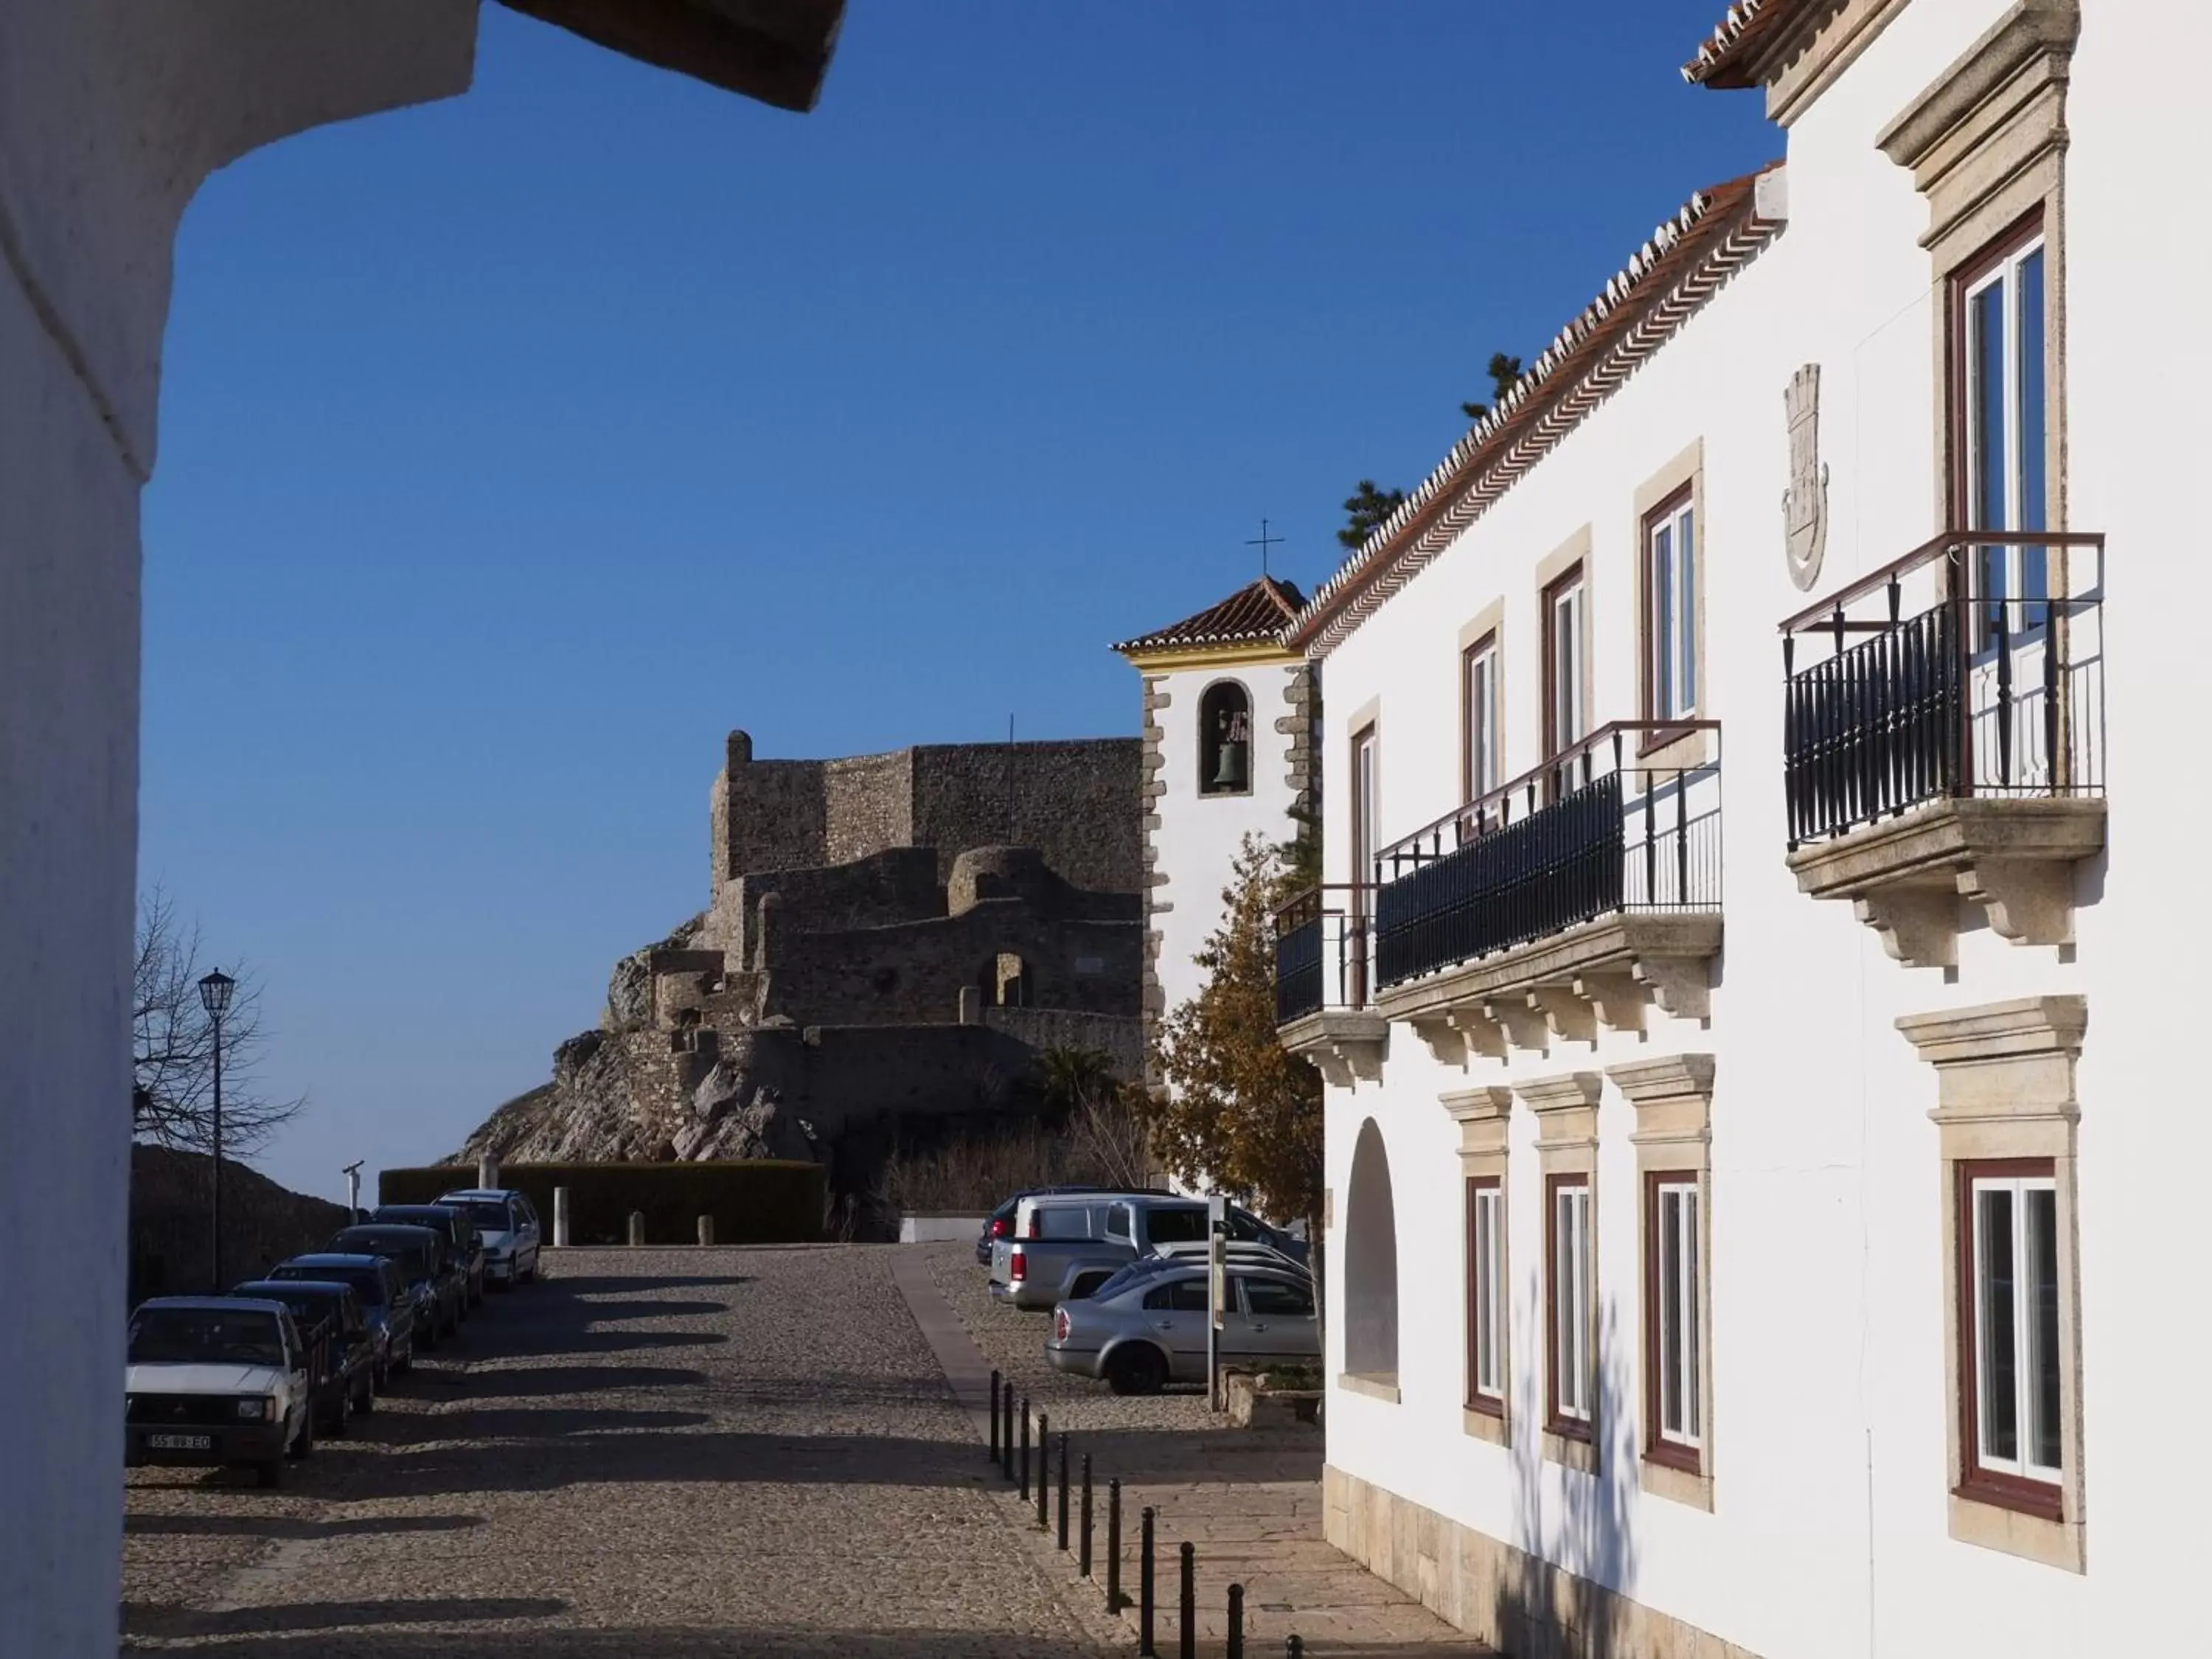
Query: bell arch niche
(1370, 1271)
(1224, 739)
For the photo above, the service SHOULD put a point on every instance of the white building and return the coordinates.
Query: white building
(1229, 753)
(1787, 1254)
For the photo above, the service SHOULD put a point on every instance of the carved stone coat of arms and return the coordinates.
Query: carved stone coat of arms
(1805, 503)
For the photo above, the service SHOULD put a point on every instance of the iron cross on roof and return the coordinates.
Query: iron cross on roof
(1263, 541)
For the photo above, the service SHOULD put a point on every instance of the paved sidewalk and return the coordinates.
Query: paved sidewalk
(1249, 1501)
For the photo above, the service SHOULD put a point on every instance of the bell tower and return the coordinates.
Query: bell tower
(1229, 735)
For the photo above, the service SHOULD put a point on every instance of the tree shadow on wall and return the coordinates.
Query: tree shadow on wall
(1575, 1532)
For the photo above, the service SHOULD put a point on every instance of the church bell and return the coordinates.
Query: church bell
(1232, 771)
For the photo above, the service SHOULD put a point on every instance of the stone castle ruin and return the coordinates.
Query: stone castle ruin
(889, 943)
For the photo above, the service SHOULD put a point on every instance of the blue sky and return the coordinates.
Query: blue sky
(515, 448)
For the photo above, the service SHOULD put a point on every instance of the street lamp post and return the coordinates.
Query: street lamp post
(215, 997)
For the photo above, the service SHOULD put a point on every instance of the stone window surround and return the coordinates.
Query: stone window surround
(1686, 471)
(1552, 570)
(1986, 142)
(1566, 1145)
(1484, 1115)
(1488, 628)
(2005, 1090)
(1672, 1097)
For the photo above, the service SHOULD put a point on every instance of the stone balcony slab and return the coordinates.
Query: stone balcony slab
(1908, 876)
(1346, 1044)
(1558, 990)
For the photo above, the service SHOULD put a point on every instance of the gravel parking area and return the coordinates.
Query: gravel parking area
(654, 1455)
(1013, 1340)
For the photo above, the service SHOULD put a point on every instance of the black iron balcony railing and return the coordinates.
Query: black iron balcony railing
(1322, 940)
(1981, 674)
(1594, 831)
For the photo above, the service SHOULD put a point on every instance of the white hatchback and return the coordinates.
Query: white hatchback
(509, 1223)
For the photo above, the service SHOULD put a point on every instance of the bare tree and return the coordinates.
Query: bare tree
(173, 1045)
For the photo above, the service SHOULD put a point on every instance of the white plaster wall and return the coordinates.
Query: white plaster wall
(1199, 835)
(1829, 1535)
(111, 113)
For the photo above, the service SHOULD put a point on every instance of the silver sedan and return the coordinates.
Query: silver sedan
(1144, 1329)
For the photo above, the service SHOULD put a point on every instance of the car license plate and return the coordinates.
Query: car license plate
(181, 1442)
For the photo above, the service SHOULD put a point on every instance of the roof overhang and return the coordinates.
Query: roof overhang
(776, 51)
(1167, 659)
(1686, 261)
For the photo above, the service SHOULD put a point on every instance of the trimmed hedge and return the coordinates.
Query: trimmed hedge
(762, 1201)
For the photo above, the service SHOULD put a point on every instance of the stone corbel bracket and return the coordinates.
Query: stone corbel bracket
(1907, 877)
(1346, 1045)
(1604, 974)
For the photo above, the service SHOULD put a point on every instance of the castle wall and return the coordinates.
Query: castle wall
(896, 884)
(1076, 802)
(868, 804)
(914, 971)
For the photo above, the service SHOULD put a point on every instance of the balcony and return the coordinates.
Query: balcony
(1323, 965)
(1943, 739)
(1580, 895)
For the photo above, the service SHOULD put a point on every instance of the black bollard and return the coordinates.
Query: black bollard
(1083, 1562)
(1025, 1449)
(1188, 1643)
(1006, 1436)
(1044, 1464)
(1113, 1545)
(994, 1417)
(1294, 1646)
(1063, 1491)
(1235, 1648)
(1145, 1647)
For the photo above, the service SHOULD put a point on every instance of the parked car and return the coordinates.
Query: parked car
(1000, 1224)
(508, 1223)
(1067, 1246)
(421, 1253)
(463, 1244)
(1149, 1331)
(330, 1323)
(386, 1303)
(217, 1380)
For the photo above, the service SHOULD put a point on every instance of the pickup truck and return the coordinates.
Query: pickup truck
(217, 1380)
(1063, 1249)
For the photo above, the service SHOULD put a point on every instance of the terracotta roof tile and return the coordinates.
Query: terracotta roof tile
(1250, 615)
(1725, 60)
(1670, 277)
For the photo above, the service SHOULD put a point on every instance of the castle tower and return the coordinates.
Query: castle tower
(1229, 735)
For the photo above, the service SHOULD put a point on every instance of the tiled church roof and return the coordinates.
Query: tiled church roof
(1671, 276)
(1725, 59)
(1250, 615)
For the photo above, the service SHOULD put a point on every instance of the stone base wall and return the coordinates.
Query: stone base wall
(1517, 1602)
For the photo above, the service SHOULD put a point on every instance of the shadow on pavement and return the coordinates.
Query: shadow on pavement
(529, 1422)
(666, 1642)
(284, 1617)
(288, 1526)
(725, 1457)
(617, 1284)
(525, 1382)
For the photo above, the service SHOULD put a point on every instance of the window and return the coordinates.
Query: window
(1567, 1298)
(1485, 1297)
(2008, 1328)
(1563, 621)
(1117, 1221)
(1478, 690)
(2000, 416)
(1181, 1225)
(1671, 1327)
(1271, 1298)
(1184, 1296)
(1670, 624)
(1363, 839)
(1225, 740)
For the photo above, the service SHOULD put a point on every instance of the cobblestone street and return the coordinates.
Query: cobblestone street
(648, 1456)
